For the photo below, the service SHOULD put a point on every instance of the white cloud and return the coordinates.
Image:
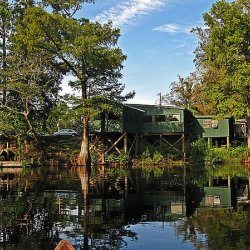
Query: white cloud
(173, 28)
(128, 11)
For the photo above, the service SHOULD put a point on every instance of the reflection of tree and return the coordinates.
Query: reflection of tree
(24, 216)
(221, 229)
(105, 229)
(233, 170)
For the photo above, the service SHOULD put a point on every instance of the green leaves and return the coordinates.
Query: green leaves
(224, 57)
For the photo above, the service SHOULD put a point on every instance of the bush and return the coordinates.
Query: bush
(224, 155)
(198, 152)
(157, 157)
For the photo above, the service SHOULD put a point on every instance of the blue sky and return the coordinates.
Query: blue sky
(155, 36)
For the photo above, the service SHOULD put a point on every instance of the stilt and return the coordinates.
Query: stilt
(228, 142)
(229, 181)
(209, 142)
(126, 143)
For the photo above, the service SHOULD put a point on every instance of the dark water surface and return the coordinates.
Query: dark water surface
(125, 208)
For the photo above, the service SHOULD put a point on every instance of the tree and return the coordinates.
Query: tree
(29, 80)
(186, 92)
(87, 50)
(29, 77)
(223, 56)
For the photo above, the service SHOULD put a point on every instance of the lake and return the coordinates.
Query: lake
(148, 207)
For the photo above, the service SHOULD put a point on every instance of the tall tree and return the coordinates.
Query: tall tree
(223, 55)
(87, 50)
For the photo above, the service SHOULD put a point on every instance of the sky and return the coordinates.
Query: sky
(155, 36)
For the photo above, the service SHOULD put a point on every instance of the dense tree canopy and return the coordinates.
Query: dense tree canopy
(48, 32)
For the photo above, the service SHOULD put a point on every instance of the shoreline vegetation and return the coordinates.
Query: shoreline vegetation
(64, 151)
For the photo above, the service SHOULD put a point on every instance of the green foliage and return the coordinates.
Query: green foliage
(63, 116)
(198, 152)
(185, 92)
(157, 157)
(84, 49)
(44, 42)
(27, 163)
(122, 158)
(223, 56)
(146, 155)
(149, 158)
(223, 155)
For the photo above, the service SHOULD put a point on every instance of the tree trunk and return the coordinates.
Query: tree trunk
(30, 126)
(4, 64)
(248, 132)
(84, 155)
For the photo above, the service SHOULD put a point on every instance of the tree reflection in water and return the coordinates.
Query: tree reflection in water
(121, 208)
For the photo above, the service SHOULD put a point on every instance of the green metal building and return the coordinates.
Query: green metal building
(166, 129)
(217, 132)
(161, 119)
(130, 121)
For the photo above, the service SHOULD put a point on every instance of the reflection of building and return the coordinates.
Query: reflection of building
(216, 196)
(158, 199)
(161, 205)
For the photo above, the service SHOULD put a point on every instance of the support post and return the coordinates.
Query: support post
(209, 141)
(229, 181)
(228, 142)
(126, 143)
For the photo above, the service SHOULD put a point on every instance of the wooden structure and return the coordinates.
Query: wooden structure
(156, 127)
(165, 127)
(116, 134)
(140, 127)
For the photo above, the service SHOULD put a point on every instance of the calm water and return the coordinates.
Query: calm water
(130, 208)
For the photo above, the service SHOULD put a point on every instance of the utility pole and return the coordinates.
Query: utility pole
(160, 98)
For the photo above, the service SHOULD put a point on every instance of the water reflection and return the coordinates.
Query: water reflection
(125, 208)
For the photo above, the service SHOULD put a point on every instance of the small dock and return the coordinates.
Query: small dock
(10, 164)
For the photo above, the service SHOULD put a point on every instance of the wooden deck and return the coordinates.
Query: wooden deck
(11, 164)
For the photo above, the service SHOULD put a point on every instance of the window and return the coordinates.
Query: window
(207, 123)
(160, 118)
(215, 123)
(147, 118)
(174, 117)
